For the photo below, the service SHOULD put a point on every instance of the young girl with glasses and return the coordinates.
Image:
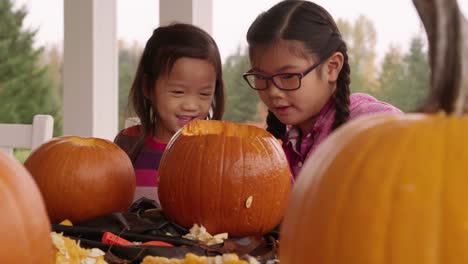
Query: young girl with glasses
(179, 79)
(300, 70)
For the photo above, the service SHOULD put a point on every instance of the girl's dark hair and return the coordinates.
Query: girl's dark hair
(313, 26)
(163, 48)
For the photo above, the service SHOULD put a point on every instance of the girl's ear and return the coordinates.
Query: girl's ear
(334, 65)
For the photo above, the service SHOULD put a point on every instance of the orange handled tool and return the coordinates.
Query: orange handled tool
(157, 243)
(109, 238)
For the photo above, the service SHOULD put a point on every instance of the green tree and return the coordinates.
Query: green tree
(404, 81)
(242, 101)
(392, 76)
(417, 76)
(52, 58)
(129, 56)
(25, 87)
(361, 38)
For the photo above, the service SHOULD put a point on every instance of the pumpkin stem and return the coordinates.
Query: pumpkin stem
(447, 32)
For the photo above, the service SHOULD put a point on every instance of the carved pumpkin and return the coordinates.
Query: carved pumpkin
(82, 178)
(24, 226)
(227, 177)
(391, 189)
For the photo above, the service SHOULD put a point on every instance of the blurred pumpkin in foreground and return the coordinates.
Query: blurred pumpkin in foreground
(82, 178)
(388, 189)
(24, 226)
(227, 177)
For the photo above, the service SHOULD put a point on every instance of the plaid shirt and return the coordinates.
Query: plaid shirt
(299, 147)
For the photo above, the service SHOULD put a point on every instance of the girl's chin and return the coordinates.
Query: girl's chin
(283, 117)
(287, 120)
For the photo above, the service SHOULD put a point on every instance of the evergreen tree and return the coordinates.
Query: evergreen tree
(404, 81)
(417, 76)
(392, 76)
(25, 87)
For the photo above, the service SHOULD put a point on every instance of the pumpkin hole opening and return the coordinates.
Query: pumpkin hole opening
(88, 142)
(228, 129)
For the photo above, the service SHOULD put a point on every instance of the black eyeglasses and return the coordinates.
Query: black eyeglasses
(284, 81)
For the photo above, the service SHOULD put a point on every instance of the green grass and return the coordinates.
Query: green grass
(22, 154)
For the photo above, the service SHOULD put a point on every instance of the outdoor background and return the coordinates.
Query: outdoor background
(387, 50)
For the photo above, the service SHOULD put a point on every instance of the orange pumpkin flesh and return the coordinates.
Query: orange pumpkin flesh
(82, 178)
(227, 177)
(24, 226)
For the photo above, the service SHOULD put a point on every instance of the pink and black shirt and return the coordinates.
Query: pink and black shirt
(145, 162)
(298, 147)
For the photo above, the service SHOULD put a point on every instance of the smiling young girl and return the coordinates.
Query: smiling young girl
(179, 79)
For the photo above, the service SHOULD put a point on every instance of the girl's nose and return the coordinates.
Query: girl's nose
(272, 90)
(189, 104)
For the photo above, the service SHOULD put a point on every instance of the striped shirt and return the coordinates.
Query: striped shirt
(145, 162)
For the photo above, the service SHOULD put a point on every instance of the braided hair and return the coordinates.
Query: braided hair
(312, 25)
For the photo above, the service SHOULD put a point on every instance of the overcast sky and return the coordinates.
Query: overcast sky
(396, 21)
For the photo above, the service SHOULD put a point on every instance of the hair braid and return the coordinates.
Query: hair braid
(342, 93)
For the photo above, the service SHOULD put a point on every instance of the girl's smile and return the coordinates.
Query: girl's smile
(183, 120)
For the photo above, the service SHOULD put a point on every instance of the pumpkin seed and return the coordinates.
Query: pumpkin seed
(249, 201)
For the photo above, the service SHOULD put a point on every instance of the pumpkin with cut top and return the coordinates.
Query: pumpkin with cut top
(226, 177)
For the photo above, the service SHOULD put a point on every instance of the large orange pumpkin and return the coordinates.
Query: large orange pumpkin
(390, 189)
(82, 178)
(227, 177)
(24, 226)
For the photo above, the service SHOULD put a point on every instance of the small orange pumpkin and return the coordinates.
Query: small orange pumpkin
(82, 178)
(227, 177)
(24, 226)
(390, 189)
